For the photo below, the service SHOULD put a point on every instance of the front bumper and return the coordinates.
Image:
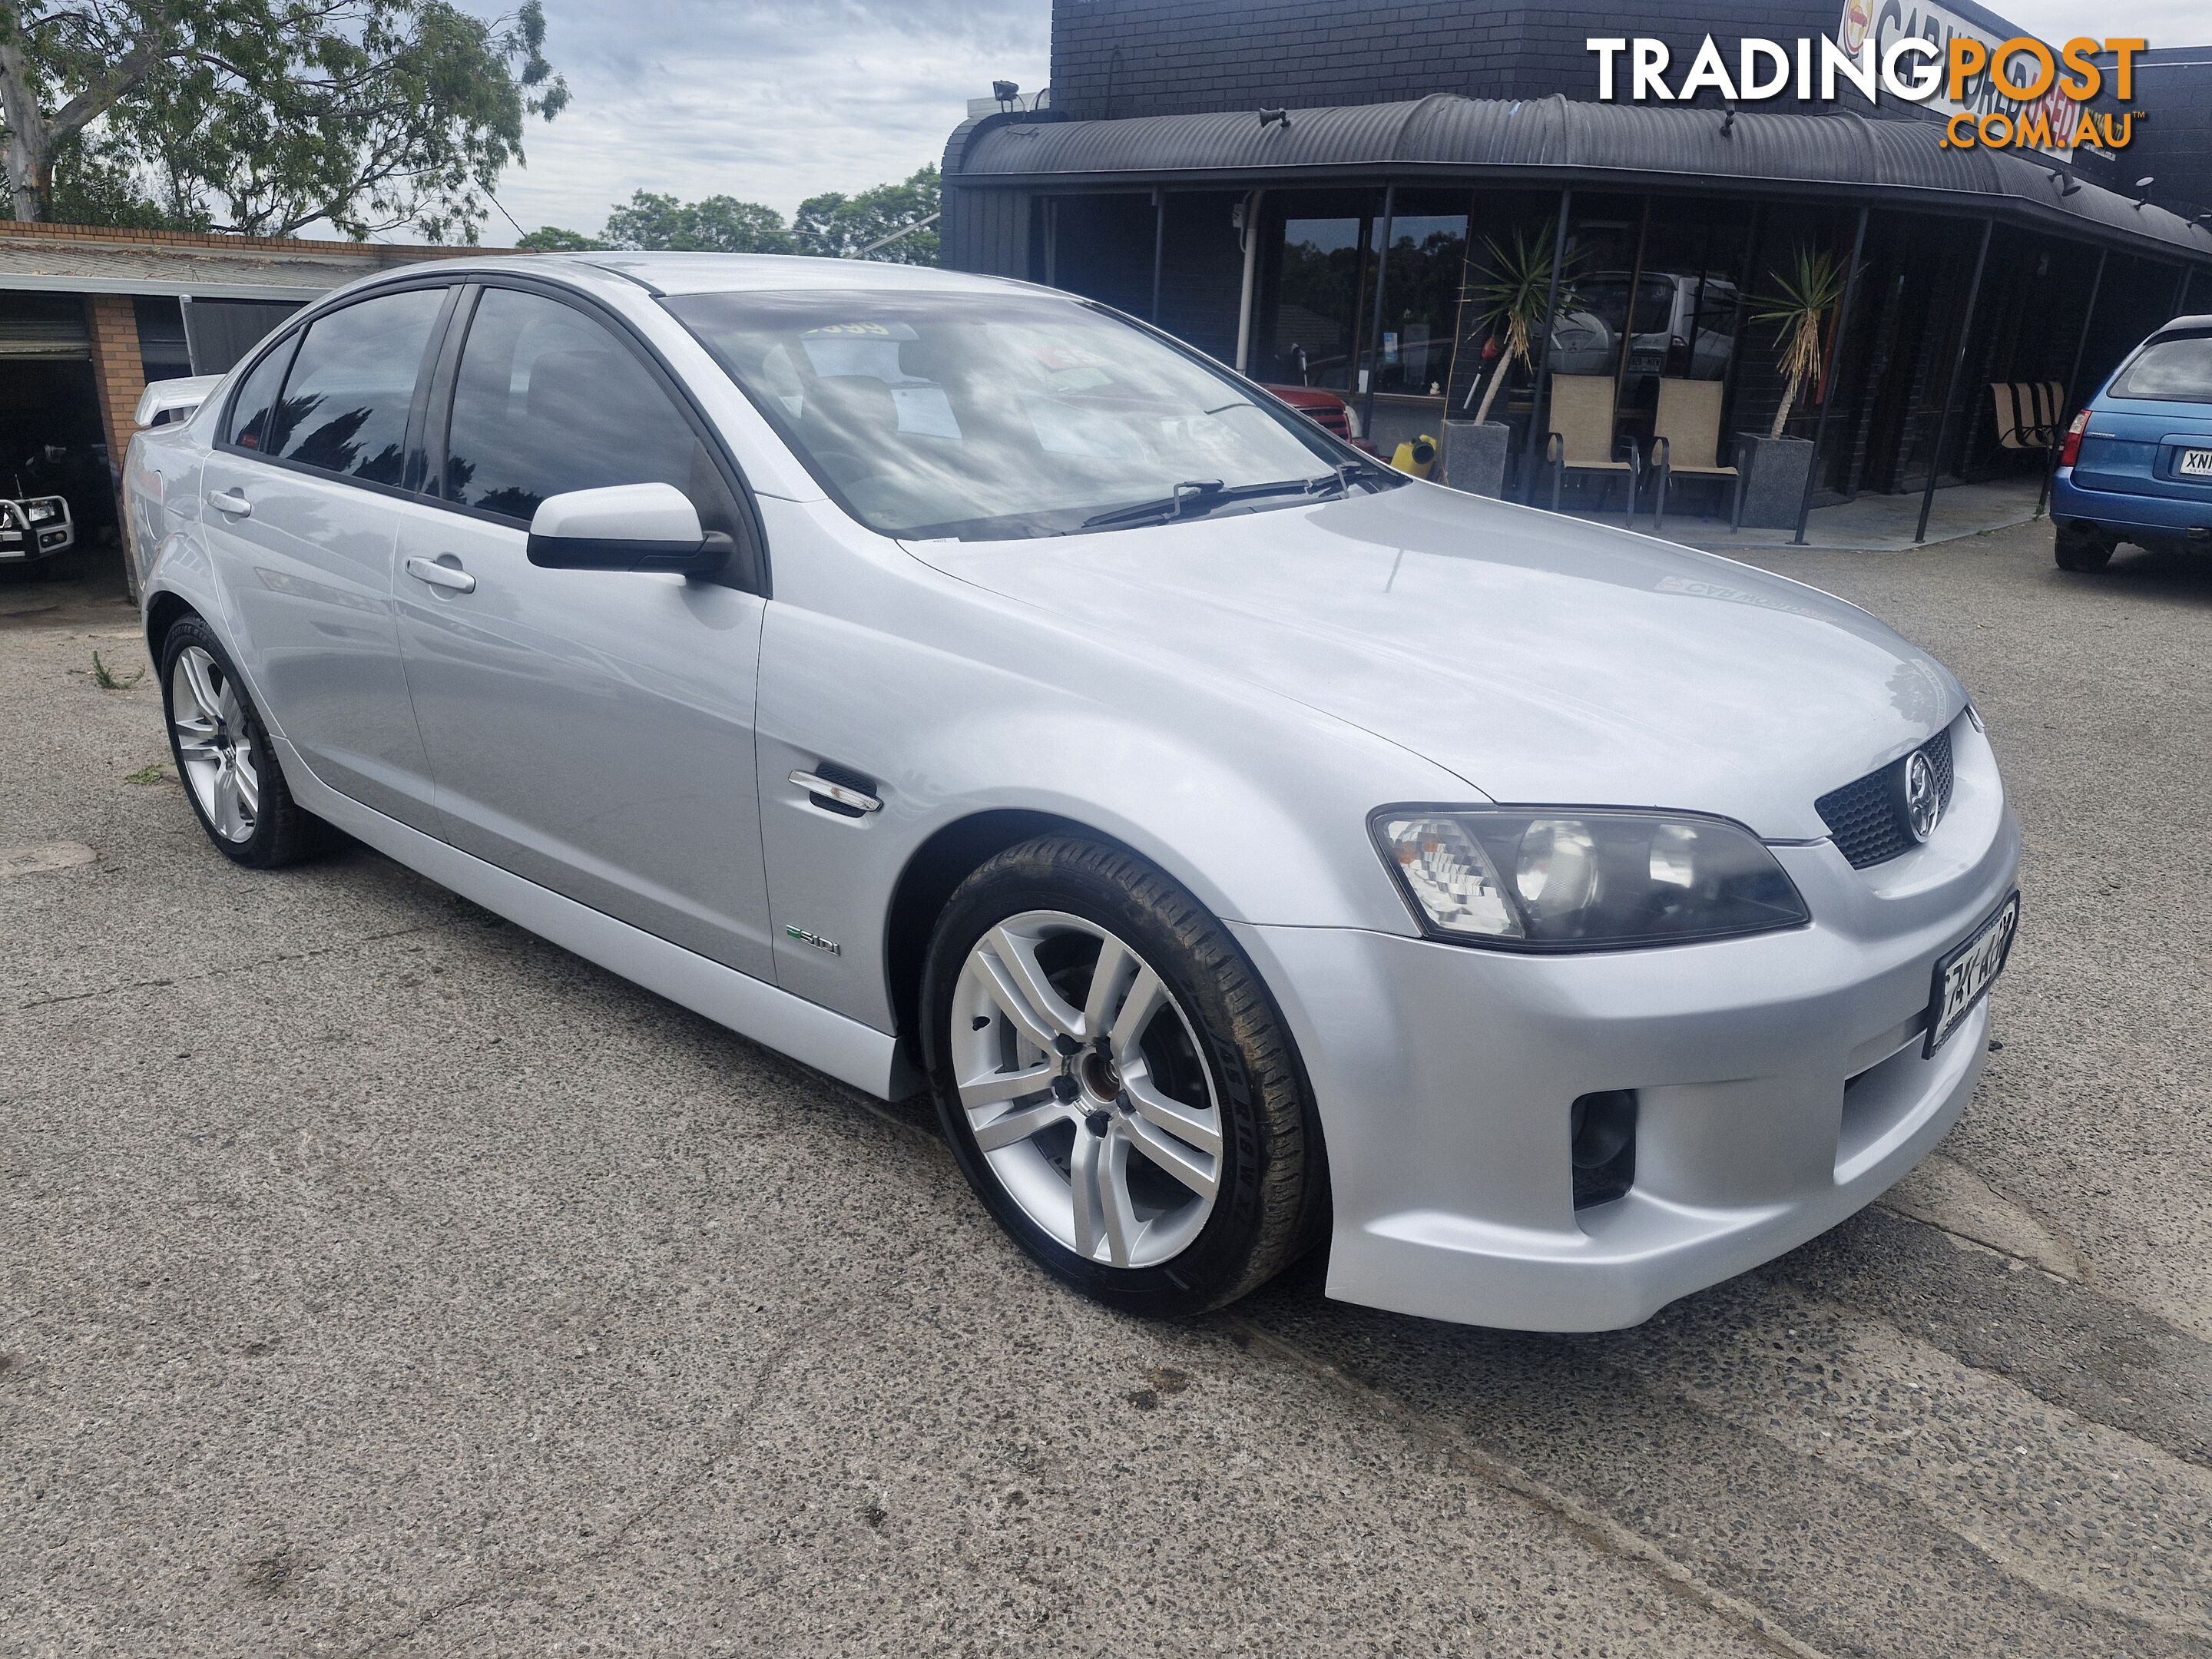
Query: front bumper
(24, 540)
(1780, 1085)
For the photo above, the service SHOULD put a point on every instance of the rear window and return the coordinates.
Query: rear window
(2176, 371)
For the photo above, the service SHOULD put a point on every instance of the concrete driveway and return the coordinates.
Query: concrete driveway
(377, 1279)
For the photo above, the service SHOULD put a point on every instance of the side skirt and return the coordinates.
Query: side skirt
(848, 1050)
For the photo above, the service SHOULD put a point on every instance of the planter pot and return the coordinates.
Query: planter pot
(1774, 471)
(1475, 456)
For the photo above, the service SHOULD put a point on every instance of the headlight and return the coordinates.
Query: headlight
(43, 512)
(1583, 878)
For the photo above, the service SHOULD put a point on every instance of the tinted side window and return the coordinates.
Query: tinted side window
(548, 401)
(257, 398)
(346, 402)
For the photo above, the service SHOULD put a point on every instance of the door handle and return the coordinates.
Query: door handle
(230, 502)
(443, 572)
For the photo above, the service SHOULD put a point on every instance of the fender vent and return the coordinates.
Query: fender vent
(830, 772)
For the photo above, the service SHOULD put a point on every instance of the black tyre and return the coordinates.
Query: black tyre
(2080, 547)
(223, 756)
(1116, 1084)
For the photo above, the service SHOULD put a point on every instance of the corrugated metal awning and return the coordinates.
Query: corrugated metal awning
(1558, 140)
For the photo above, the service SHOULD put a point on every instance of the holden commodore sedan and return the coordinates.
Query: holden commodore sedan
(954, 684)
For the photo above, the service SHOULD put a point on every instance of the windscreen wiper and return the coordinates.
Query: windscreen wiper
(1339, 482)
(1194, 496)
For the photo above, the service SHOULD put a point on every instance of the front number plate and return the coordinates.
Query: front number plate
(1964, 975)
(2196, 463)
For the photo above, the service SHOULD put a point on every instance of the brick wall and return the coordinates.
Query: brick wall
(1113, 59)
(118, 367)
(374, 255)
(2173, 87)
(1117, 58)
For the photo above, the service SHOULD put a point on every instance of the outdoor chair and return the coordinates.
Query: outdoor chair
(2029, 416)
(2027, 413)
(1582, 438)
(1686, 438)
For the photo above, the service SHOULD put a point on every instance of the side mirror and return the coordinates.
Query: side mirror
(646, 526)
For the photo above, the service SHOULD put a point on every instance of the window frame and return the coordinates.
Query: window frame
(289, 340)
(749, 568)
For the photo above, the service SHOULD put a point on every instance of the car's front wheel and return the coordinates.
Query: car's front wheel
(2080, 547)
(1115, 1081)
(223, 756)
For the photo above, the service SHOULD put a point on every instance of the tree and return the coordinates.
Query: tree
(96, 184)
(838, 226)
(264, 116)
(1803, 298)
(1515, 295)
(551, 239)
(720, 224)
(832, 225)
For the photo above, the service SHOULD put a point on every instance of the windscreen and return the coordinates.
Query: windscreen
(989, 416)
(2179, 371)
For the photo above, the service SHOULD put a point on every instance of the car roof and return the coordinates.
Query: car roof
(2183, 326)
(736, 273)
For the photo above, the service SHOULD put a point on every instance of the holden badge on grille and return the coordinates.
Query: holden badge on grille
(1923, 802)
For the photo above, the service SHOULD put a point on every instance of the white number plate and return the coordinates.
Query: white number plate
(2196, 463)
(1964, 975)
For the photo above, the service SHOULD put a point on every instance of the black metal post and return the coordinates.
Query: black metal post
(2088, 319)
(1543, 379)
(2180, 292)
(1834, 367)
(2073, 379)
(1159, 246)
(1950, 385)
(1628, 318)
(1374, 318)
(1744, 280)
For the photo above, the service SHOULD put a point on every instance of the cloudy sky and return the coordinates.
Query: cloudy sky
(767, 101)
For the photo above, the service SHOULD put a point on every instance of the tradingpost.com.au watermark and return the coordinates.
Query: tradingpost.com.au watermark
(2011, 94)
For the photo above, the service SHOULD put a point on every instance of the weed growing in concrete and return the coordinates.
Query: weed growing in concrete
(105, 678)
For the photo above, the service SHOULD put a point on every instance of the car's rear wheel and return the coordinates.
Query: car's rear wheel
(1115, 1083)
(223, 756)
(2080, 547)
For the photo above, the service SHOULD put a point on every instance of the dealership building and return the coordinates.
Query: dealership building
(1328, 193)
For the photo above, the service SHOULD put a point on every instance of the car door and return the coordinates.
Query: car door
(299, 505)
(592, 731)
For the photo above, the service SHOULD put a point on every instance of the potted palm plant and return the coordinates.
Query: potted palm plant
(1516, 289)
(1804, 297)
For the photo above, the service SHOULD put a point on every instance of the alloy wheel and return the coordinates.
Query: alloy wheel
(214, 751)
(1085, 1091)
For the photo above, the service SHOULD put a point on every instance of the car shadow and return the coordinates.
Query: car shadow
(2141, 571)
(1804, 1324)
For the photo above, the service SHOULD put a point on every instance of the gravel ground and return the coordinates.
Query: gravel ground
(379, 1279)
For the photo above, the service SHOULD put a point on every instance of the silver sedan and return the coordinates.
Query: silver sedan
(951, 683)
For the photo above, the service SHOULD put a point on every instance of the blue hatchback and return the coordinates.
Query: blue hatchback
(2136, 465)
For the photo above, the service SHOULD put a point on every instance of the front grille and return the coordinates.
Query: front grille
(1867, 817)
